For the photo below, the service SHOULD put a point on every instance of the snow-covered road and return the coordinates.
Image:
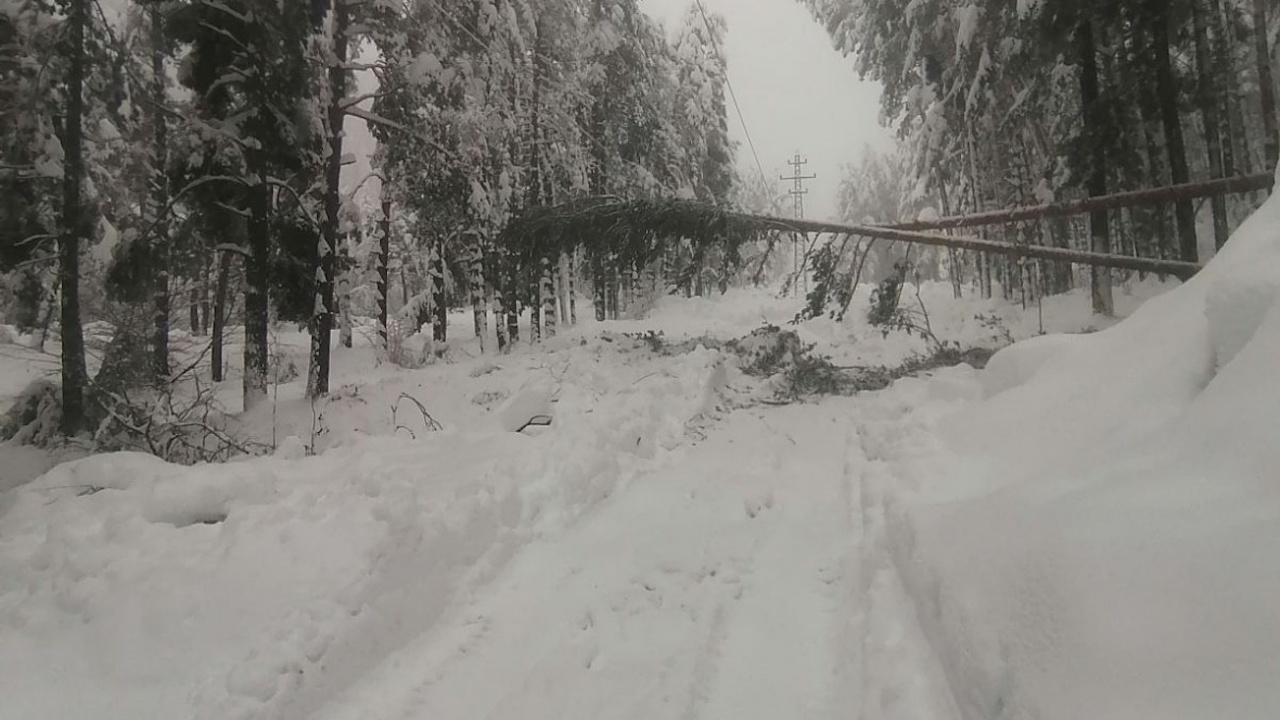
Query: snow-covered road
(1033, 540)
(724, 583)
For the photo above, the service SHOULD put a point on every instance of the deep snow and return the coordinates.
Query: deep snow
(1087, 528)
(1098, 537)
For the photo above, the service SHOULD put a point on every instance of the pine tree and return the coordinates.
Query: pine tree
(248, 69)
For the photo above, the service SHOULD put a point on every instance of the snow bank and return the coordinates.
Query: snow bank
(1139, 375)
(1098, 538)
(134, 588)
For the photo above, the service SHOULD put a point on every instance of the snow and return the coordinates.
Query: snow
(1097, 538)
(218, 591)
(1085, 528)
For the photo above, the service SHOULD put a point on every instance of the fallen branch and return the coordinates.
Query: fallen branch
(430, 422)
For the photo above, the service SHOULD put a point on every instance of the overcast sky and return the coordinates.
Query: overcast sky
(796, 92)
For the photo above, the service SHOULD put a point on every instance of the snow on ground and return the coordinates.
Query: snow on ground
(21, 363)
(1096, 535)
(1085, 529)
(707, 588)
(147, 590)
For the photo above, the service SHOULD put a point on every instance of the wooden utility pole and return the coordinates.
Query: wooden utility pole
(1134, 198)
(797, 193)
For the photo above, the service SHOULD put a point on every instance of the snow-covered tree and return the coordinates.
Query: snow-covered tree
(247, 67)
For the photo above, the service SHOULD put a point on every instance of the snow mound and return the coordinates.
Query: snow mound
(1098, 537)
(1244, 282)
(1140, 374)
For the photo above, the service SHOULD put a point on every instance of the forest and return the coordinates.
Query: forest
(180, 163)
(1001, 104)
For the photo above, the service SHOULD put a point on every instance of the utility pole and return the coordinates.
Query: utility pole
(797, 193)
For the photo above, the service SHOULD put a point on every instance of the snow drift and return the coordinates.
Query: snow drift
(1099, 537)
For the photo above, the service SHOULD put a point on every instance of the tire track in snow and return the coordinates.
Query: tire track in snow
(785, 649)
(847, 670)
(711, 587)
(901, 676)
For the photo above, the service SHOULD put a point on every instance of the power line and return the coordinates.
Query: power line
(715, 44)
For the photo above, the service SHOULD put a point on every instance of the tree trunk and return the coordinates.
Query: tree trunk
(1212, 122)
(952, 254)
(1094, 118)
(498, 297)
(384, 278)
(256, 308)
(627, 297)
(1266, 82)
(547, 298)
(982, 266)
(573, 289)
(1227, 92)
(1167, 90)
(205, 309)
(513, 322)
(477, 288)
(160, 201)
(193, 310)
(440, 309)
(220, 315)
(75, 226)
(535, 310)
(345, 330)
(326, 250)
(614, 285)
(1158, 215)
(599, 289)
(562, 287)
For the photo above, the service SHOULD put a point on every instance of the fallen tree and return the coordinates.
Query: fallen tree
(640, 231)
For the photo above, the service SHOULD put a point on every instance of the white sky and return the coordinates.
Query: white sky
(797, 93)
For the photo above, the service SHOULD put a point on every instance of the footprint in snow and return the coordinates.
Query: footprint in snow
(755, 506)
